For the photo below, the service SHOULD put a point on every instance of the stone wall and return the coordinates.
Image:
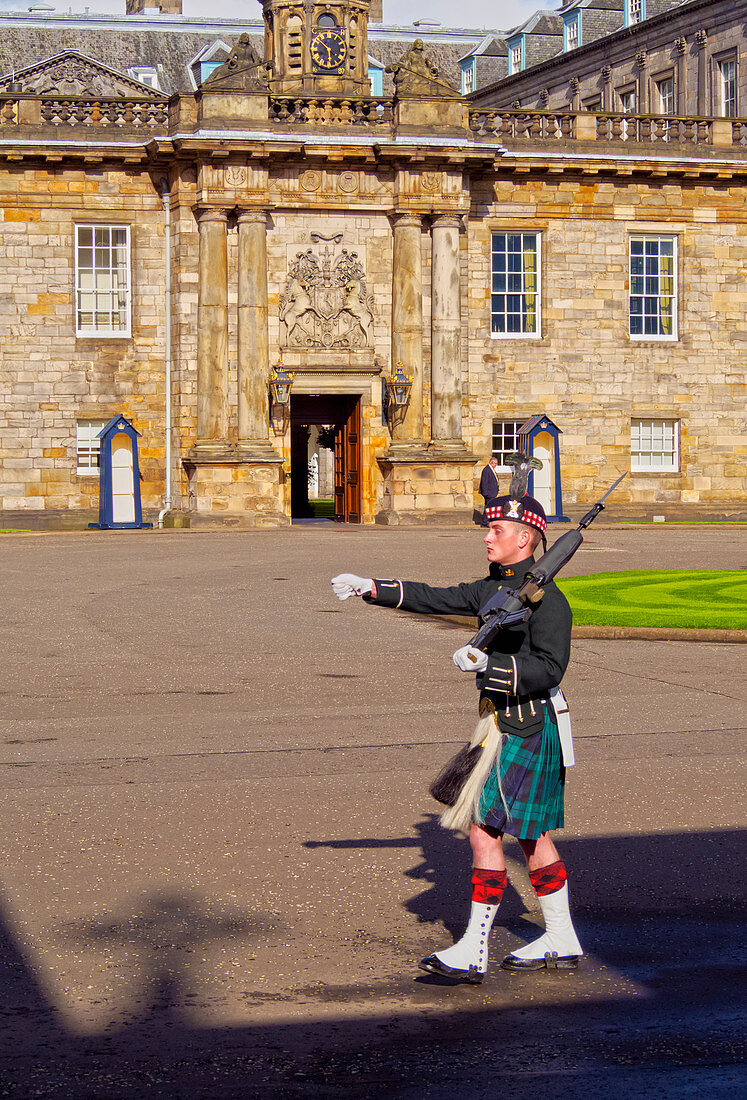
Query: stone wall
(635, 58)
(585, 372)
(49, 377)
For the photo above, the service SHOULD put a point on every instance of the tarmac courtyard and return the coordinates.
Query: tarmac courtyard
(221, 862)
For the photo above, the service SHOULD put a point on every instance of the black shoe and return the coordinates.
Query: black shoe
(551, 961)
(433, 965)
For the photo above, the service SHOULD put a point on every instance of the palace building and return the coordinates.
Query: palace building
(258, 239)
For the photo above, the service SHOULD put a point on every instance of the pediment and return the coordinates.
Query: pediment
(73, 74)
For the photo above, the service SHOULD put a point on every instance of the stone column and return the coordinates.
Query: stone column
(701, 39)
(446, 365)
(407, 321)
(607, 88)
(642, 107)
(253, 341)
(212, 330)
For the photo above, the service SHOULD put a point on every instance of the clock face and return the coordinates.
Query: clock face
(328, 49)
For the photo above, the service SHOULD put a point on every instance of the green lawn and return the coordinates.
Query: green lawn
(678, 598)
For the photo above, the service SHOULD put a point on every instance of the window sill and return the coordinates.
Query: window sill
(657, 471)
(516, 336)
(653, 339)
(104, 335)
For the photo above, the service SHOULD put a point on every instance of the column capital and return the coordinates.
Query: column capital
(701, 39)
(206, 214)
(446, 221)
(407, 220)
(251, 215)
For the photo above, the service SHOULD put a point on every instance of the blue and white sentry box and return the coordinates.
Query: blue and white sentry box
(540, 438)
(119, 477)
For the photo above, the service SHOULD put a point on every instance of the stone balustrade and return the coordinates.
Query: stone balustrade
(522, 124)
(8, 112)
(125, 114)
(331, 111)
(379, 114)
(588, 126)
(654, 128)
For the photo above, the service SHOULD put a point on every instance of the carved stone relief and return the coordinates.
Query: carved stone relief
(72, 74)
(233, 182)
(417, 187)
(326, 303)
(345, 185)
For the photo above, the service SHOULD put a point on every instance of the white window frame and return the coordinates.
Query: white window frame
(573, 33)
(666, 99)
(654, 445)
(87, 446)
(727, 98)
(495, 280)
(499, 426)
(468, 77)
(625, 101)
(648, 291)
(88, 274)
(516, 57)
(635, 12)
(146, 75)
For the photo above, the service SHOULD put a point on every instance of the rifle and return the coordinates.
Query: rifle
(511, 606)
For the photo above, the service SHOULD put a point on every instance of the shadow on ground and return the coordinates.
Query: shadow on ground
(662, 911)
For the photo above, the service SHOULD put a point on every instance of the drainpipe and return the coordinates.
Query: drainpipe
(166, 198)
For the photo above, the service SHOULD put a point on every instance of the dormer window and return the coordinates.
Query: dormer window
(468, 75)
(573, 32)
(515, 55)
(147, 76)
(207, 61)
(376, 76)
(635, 12)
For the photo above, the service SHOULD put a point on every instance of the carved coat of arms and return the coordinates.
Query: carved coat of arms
(326, 303)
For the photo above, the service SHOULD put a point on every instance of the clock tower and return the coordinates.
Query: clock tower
(317, 48)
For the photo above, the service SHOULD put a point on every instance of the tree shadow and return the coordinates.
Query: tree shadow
(660, 914)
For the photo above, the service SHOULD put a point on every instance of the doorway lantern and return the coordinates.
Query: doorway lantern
(281, 383)
(540, 438)
(119, 477)
(398, 389)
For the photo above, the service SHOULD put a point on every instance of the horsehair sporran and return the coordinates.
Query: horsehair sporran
(467, 807)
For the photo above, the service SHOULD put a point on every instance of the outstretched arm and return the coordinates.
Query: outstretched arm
(458, 599)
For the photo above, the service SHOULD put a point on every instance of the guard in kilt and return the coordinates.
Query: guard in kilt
(524, 792)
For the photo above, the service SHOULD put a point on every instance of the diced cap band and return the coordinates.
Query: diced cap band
(527, 510)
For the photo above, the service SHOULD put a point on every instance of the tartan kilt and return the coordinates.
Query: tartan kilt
(532, 778)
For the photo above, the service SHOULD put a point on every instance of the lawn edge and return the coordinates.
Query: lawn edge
(660, 633)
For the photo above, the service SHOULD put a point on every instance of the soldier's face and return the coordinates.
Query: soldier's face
(507, 542)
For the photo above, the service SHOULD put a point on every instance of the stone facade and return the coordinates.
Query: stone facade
(342, 236)
(683, 42)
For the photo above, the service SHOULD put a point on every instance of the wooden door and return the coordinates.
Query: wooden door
(348, 464)
(353, 465)
(340, 474)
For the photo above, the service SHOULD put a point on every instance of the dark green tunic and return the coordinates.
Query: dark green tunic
(524, 663)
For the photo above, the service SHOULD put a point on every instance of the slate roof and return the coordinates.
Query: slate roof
(172, 42)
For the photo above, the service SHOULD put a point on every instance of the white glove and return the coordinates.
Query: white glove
(347, 584)
(469, 659)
